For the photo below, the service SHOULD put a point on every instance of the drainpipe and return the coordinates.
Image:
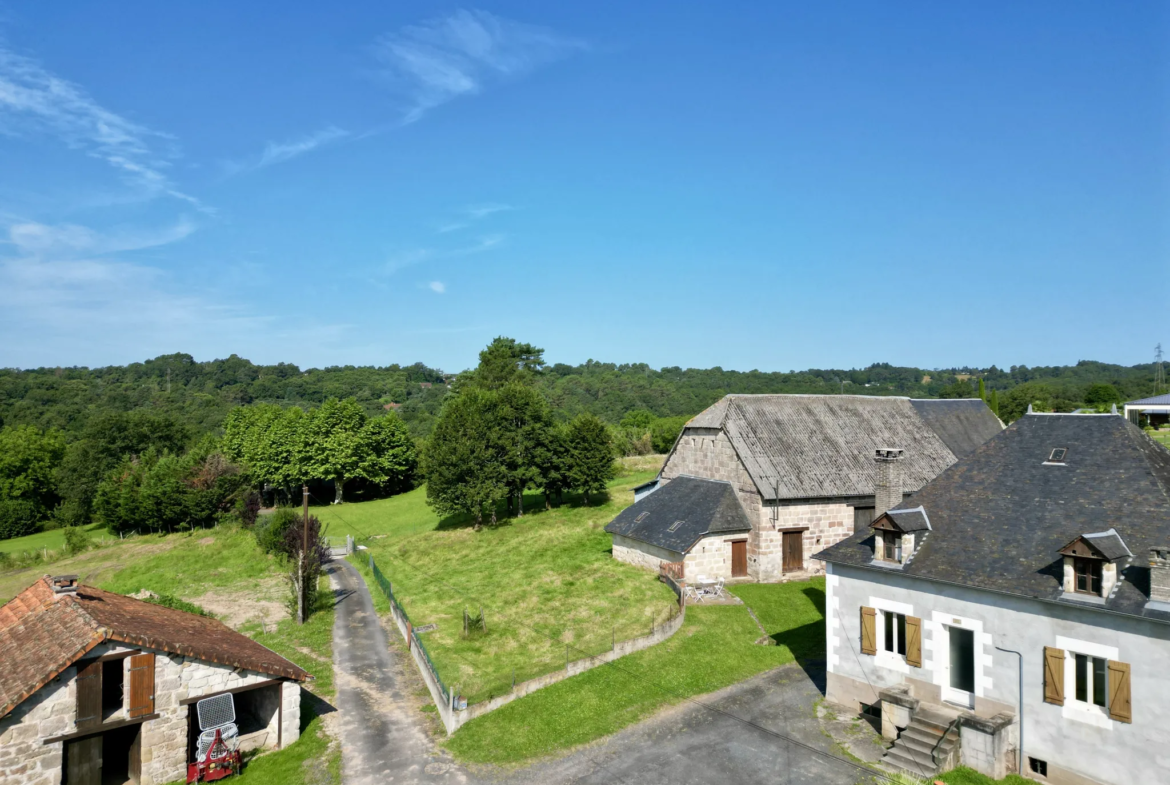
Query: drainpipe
(1020, 755)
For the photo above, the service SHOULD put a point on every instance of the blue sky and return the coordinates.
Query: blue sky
(751, 185)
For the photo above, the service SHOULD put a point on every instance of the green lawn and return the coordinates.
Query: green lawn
(53, 539)
(965, 776)
(715, 648)
(547, 583)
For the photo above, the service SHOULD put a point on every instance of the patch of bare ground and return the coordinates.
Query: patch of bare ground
(262, 603)
(91, 567)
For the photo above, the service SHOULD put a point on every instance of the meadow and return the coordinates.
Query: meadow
(545, 583)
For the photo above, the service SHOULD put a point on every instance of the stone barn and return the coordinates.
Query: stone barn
(806, 470)
(100, 688)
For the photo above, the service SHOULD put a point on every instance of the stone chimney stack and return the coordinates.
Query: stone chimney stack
(1160, 575)
(63, 585)
(888, 493)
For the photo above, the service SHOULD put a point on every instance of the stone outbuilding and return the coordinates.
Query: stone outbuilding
(807, 471)
(97, 687)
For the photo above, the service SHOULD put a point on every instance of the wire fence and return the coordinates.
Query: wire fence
(396, 608)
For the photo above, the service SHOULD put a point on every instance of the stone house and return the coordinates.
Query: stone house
(803, 469)
(1015, 614)
(100, 688)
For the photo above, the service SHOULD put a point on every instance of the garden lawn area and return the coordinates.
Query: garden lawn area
(547, 583)
(715, 648)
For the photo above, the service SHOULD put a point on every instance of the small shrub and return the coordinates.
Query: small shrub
(17, 518)
(270, 531)
(248, 508)
(76, 540)
(6, 561)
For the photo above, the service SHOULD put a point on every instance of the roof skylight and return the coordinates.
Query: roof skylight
(1057, 455)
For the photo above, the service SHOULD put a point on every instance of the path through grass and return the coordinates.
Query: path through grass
(715, 648)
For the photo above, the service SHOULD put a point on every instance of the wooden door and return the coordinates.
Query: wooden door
(793, 551)
(739, 559)
(83, 761)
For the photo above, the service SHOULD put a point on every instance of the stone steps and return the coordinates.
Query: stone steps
(928, 736)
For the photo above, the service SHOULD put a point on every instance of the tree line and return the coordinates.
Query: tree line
(141, 471)
(199, 395)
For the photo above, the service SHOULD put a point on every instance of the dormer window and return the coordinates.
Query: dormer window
(1087, 575)
(897, 533)
(1092, 564)
(891, 547)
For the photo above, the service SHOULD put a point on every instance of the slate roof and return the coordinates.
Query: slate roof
(699, 507)
(813, 446)
(1109, 544)
(910, 520)
(42, 634)
(1000, 516)
(1163, 400)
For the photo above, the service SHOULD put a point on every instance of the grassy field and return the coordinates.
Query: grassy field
(53, 539)
(546, 582)
(1162, 437)
(715, 648)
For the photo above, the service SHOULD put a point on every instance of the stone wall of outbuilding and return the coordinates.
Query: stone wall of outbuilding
(52, 711)
(708, 453)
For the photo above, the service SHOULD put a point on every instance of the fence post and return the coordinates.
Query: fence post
(513, 680)
(613, 638)
(371, 561)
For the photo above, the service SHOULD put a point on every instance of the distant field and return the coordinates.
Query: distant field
(1162, 437)
(52, 539)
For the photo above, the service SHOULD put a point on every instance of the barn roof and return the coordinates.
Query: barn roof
(810, 446)
(682, 512)
(42, 633)
(1000, 517)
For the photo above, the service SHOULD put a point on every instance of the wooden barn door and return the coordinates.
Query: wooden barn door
(83, 761)
(739, 559)
(793, 551)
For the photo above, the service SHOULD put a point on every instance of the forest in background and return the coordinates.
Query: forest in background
(199, 395)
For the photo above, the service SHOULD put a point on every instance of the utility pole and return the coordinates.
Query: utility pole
(304, 586)
(1159, 373)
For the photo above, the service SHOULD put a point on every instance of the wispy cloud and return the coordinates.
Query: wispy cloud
(471, 214)
(278, 152)
(33, 100)
(481, 245)
(407, 258)
(66, 291)
(438, 287)
(68, 241)
(463, 53)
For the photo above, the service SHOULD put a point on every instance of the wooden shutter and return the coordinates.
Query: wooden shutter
(141, 685)
(89, 694)
(1119, 697)
(1054, 675)
(868, 631)
(914, 641)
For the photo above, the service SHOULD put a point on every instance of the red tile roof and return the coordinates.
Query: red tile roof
(43, 633)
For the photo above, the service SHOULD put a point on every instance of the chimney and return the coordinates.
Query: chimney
(1160, 575)
(63, 584)
(888, 493)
